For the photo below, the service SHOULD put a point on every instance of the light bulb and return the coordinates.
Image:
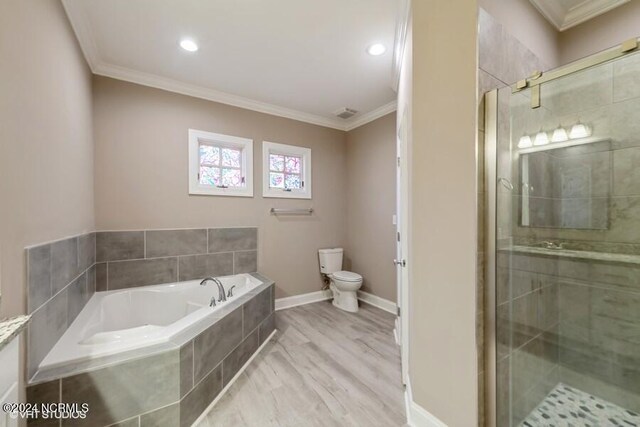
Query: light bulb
(189, 45)
(541, 138)
(580, 130)
(559, 135)
(376, 49)
(525, 142)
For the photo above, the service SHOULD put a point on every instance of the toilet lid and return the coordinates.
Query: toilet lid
(347, 276)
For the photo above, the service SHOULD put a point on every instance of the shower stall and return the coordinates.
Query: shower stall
(563, 227)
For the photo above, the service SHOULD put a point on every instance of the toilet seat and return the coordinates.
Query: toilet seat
(347, 276)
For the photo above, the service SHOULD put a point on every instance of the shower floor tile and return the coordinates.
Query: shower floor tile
(566, 406)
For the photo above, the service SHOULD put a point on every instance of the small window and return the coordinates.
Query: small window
(220, 164)
(286, 171)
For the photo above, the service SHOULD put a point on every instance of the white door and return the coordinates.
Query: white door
(402, 244)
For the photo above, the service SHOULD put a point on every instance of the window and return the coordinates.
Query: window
(220, 165)
(286, 171)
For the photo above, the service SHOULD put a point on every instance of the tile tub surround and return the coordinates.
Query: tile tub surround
(173, 387)
(128, 259)
(60, 280)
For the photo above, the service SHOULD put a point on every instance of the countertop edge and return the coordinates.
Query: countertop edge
(11, 328)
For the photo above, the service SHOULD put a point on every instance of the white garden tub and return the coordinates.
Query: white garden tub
(119, 321)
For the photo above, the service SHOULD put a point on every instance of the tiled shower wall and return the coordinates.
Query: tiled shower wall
(598, 299)
(63, 275)
(503, 60)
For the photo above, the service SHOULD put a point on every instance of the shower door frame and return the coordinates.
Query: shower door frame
(491, 215)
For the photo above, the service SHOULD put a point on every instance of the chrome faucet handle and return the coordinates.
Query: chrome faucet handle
(230, 293)
(213, 302)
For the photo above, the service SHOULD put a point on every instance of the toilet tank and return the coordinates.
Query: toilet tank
(330, 260)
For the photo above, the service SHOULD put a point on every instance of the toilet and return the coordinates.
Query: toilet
(344, 284)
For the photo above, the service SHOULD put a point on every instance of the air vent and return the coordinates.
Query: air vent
(345, 113)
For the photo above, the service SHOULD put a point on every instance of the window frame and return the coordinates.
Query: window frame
(286, 150)
(245, 145)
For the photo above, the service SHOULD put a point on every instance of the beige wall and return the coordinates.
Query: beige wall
(601, 33)
(46, 147)
(522, 20)
(442, 260)
(141, 177)
(371, 199)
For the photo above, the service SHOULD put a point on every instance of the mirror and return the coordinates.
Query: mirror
(566, 186)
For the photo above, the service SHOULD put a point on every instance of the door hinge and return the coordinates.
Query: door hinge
(398, 161)
(398, 311)
(398, 236)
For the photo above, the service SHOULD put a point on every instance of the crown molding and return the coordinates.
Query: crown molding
(371, 116)
(176, 86)
(83, 34)
(564, 19)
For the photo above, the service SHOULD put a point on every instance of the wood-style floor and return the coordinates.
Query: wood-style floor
(324, 367)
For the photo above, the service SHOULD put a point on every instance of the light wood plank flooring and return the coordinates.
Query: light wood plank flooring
(324, 367)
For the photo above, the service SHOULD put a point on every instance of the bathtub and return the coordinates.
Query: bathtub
(152, 318)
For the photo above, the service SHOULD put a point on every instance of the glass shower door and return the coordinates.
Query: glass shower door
(568, 250)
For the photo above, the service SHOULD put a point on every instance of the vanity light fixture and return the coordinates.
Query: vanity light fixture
(541, 138)
(580, 130)
(376, 49)
(525, 142)
(188, 45)
(560, 135)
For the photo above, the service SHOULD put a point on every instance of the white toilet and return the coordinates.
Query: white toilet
(344, 284)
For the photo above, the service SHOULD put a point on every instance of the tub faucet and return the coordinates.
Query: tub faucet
(221, 295)
(206, 279)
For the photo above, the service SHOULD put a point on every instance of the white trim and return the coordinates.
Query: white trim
(417, 416)
(309, 298)
(396, 335)
(246, 147)
(83, 34)
(564, 19)
(371, 116)
(171, 85)
(291, 150)
(376, 301)
(90, 50)
(235, 377)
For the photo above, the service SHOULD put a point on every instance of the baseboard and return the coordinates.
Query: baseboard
(417, 416)
(381, 303)
(296, 300)
(235, 377)
(396, 335)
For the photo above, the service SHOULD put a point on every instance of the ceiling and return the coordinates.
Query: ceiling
(564, 14)
(293, 58)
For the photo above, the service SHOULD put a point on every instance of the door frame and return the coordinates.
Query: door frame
(402, 241)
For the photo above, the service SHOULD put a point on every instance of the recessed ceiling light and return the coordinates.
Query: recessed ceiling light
(188, 45)
(376, 49)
